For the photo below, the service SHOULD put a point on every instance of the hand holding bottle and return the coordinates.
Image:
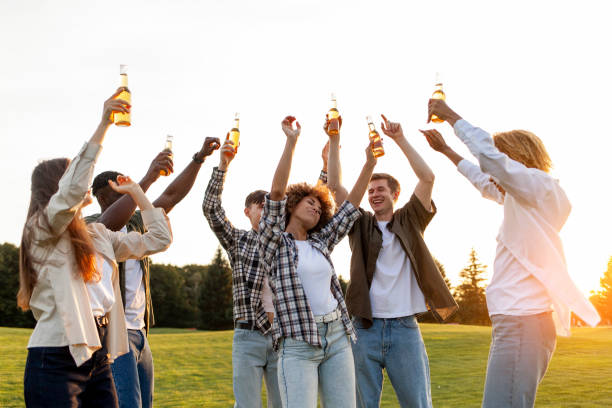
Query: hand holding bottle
(439, 108)
(228, 152)
(113, 105)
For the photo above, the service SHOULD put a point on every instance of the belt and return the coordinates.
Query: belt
(101, 321)
(245, 325)
(330, 317)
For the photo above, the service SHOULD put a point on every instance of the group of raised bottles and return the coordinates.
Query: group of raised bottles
(124, 119)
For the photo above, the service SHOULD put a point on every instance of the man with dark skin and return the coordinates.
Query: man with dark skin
(133, 372)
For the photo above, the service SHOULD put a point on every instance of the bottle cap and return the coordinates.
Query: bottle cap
(123, 69)
(369, 119)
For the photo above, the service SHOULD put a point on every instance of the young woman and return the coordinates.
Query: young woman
(77, 303)
(311, 329)
(530, 292)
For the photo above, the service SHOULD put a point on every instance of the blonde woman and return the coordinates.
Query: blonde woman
(531, 294)
(76, 301)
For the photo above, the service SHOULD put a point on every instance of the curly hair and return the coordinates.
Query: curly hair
(524, 147)
(295, 194)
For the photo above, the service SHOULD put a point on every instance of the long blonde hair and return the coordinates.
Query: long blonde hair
(45, 183)
(524, 147)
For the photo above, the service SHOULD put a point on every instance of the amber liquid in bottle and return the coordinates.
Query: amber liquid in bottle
(234, 134)
(333, 113)
(375, 139)
(121, 118)
(168, 148)
(438, 94)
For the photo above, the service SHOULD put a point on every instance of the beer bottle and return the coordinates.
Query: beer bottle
(168, 148)
(438, 94)
(375, 139)
(123, 118)
(333, 113)
(234, 135)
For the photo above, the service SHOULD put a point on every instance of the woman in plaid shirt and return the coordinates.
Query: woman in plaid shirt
(311, 327)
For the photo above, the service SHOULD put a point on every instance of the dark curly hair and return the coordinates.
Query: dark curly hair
(295, 194)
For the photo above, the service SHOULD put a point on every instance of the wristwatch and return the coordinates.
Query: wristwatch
(195, 158)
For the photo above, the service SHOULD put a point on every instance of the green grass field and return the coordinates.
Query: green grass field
(193, 368)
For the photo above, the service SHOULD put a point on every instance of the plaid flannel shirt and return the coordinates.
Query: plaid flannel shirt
(242, 249)
(293, 317)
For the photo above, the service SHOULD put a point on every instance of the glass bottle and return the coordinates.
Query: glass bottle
(167, 148)
(438, 94)
(123, 118)
(375, 139)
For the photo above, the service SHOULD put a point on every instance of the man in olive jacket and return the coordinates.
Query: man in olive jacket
(393, 279)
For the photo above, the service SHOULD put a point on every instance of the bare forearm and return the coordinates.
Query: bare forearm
(281, 176)
(361, 184)
(179, 188)
(141, 199)
(334, 181)
(420, 168)
(452, 155)
(98, 136)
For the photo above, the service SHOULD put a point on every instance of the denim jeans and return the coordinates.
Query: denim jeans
(133, 373)
(303, 369)
(521, 348)
(397, 346)
(252, 359)
(53, 380)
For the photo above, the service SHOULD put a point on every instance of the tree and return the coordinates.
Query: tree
(171, 307)
(470, 295)
(602, 299)
(216, 295)
(10, 315)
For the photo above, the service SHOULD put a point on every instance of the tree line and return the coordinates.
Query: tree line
(200, 296)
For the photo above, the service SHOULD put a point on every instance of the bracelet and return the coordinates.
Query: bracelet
(195, 158)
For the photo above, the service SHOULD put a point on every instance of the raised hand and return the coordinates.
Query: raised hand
(370, 158)
(228, 152)
(326, 125)
(112, 106)
(439, 108)
(435, 140)
(391, 129)
(287, 125)
(210, 145)
(123, 185)
(162, 163)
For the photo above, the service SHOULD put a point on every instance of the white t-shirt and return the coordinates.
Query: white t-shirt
(135, 296)
(315, 273)
(101, 294)
(394, 291)
(513, 290)
(266, 296)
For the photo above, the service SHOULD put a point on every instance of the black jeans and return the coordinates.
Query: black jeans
(52, 378)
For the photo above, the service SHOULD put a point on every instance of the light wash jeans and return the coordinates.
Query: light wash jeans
(305, 369)
(397, 346)
(521, 348)
(253, 358)
(133, 373)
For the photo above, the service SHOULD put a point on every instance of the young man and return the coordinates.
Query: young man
(252, 354)
(530, 279)
(133, 372)
(393, 279)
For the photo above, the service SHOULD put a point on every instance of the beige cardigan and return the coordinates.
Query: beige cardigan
(60, 301)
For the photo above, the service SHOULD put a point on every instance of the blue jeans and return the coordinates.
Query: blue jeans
(397, 346)
(253, 358)
(521, 348)
(133, 373)
(303, 369)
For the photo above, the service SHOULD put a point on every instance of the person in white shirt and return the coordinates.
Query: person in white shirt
(531, 294)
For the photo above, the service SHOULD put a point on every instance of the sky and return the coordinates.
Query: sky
(542, 66)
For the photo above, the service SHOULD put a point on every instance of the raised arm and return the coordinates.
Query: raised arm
(212, 208)
(361, 185)
(426, 177)
(74, 184)
(334, 181)
(281, 175)
(482, 181)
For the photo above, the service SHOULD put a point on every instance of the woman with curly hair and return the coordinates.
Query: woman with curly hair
(311, 330)
(68, 277)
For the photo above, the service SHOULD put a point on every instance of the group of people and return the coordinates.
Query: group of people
(87, 280)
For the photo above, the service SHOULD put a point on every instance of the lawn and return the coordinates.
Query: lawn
(193, 368)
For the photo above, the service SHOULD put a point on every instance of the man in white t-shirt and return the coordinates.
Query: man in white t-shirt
(133, 372)
(393, 279)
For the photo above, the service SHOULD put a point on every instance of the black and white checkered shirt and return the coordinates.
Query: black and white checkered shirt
(279, 254)
(242, 249)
